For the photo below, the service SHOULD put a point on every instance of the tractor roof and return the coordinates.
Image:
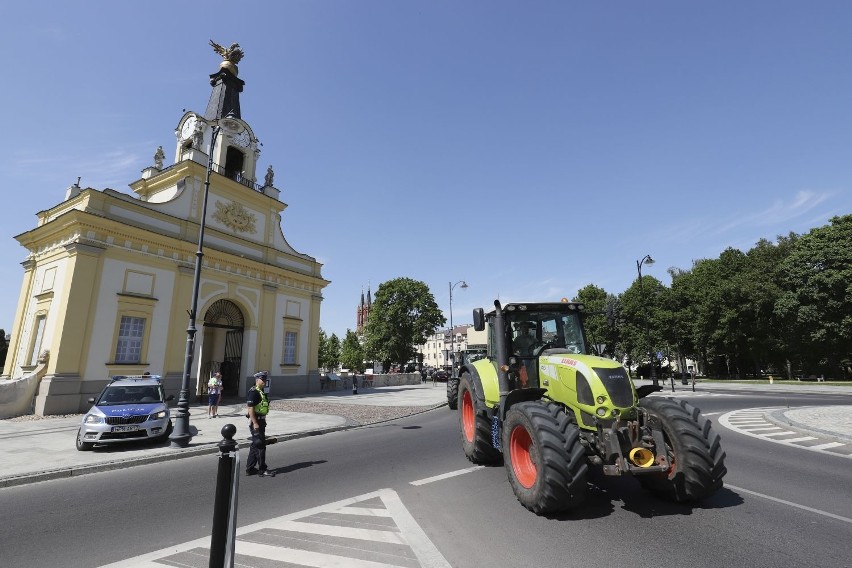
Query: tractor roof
(533, 307)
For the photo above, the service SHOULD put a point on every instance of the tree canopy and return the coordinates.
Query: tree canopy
(403, 315)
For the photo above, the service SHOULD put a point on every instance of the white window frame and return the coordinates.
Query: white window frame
(291, 343)
(38, 336)
(130, 341)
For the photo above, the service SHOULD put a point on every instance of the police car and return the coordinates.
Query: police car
(129, 408)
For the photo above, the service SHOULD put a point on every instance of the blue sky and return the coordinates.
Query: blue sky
(528, 148)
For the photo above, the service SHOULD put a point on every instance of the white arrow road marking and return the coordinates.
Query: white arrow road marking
(374, 530)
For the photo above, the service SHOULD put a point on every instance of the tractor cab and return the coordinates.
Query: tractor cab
(531, 330)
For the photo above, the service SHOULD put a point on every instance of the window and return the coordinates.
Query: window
(36, 345)
(290, 348)
(131, 331)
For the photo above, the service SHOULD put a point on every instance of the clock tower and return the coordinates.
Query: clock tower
(108, 275)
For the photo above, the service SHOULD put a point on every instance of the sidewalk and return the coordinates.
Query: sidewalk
(39, 450)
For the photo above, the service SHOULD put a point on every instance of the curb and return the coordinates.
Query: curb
(780, 418)
(207, 448)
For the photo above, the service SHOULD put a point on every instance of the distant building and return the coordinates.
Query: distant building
(436, 350)
(363, 312)
(108, 277)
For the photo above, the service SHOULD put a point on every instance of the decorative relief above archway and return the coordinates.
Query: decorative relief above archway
(236, 217)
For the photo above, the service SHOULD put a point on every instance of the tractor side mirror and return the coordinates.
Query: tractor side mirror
(479, 319)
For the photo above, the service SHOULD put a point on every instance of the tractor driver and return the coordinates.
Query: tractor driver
(524, 340)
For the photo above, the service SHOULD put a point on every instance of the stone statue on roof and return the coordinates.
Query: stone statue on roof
(159, 157)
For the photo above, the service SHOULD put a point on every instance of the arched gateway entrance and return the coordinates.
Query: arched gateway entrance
(222, 347)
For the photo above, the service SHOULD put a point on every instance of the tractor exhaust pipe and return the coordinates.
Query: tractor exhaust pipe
(502, 352)
(642, 457)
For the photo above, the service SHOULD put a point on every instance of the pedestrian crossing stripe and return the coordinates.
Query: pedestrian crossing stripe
(374, 530)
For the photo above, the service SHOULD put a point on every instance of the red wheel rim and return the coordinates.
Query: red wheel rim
(468, 419)
(523, 465)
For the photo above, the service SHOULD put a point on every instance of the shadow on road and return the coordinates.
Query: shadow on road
(296, 466)
(603, 493)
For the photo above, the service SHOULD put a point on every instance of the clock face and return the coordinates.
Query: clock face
(188, 128)
(242, 139)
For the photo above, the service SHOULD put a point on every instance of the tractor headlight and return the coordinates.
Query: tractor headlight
(601, 399)
(601, 411)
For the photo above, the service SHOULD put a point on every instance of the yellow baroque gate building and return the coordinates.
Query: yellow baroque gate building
(108, 279)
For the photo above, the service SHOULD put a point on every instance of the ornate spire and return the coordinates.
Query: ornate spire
(225, 97)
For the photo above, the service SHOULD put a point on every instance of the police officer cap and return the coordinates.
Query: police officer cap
(260, 375)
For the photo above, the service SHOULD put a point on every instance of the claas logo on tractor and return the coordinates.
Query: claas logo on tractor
(547, 407)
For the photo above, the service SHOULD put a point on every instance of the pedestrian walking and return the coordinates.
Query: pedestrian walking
(257, 407)
(214, 395)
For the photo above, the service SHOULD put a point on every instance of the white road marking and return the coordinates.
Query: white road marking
(826, 446)
(445, 475)
(394, 536)
(790, 503)
(745, 421)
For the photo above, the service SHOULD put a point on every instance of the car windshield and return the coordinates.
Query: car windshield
(130, 395)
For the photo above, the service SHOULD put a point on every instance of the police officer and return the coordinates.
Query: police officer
(258, 407)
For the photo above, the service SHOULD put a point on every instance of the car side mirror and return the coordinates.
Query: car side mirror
(170, 397)
(91, 400)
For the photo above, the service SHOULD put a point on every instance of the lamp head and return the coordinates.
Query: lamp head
(463, 284)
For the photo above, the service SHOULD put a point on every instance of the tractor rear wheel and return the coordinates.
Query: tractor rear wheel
(475, 425)
(544, 459)
(452, 393)
(697, 462)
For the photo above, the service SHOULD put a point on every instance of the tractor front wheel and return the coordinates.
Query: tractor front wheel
(475, 425)
(543, 456)
(694, 451)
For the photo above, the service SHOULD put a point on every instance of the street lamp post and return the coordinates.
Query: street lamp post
(647, 260)
(452, 331)
(181, 436)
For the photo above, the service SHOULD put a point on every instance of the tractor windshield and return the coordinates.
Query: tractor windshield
(533, 332)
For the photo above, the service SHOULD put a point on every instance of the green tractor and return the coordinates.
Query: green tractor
(550, 410)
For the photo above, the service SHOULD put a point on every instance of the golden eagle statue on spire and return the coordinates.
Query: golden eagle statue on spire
(233, 54)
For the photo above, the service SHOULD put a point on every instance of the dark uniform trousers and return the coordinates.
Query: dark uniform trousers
(257, 451)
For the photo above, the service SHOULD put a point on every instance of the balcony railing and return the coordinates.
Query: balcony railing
(237, 177)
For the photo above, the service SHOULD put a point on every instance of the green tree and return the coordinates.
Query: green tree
(352, 353)
(601, 315)
(637, 342)
(322, 350)
(816, 302)
(404, 313)
(333, 351)
(329, 351)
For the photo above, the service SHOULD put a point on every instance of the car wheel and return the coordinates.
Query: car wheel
(81, 445)
(165, 435)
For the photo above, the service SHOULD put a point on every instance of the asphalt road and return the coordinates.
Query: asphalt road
(781, 505)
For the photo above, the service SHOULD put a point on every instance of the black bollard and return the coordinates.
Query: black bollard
(223, 537)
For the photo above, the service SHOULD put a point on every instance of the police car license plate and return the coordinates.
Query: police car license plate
(124, 428)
